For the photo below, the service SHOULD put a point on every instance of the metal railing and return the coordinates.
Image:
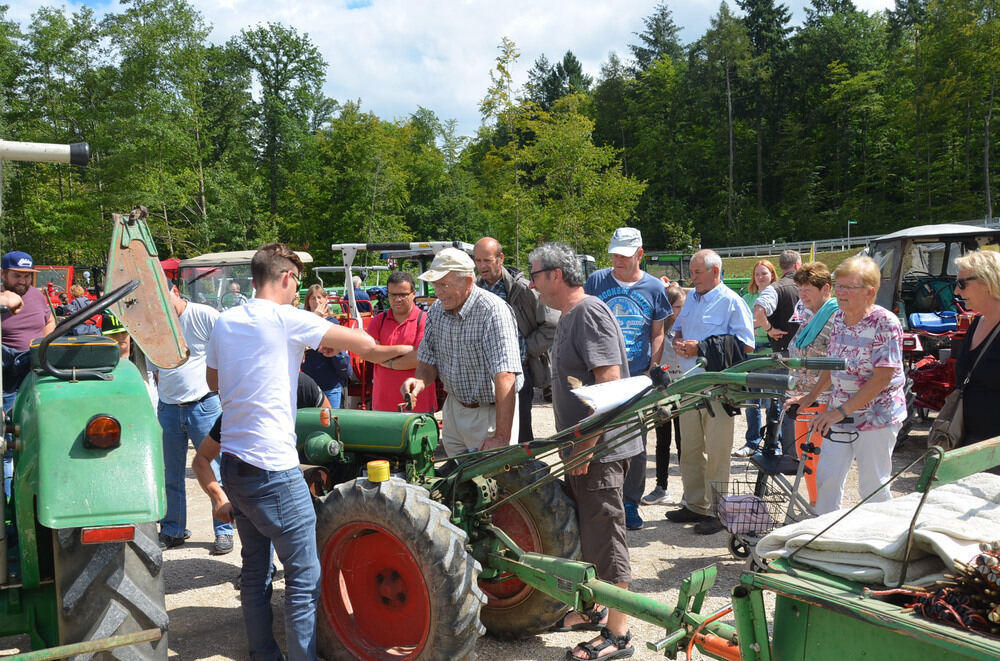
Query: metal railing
(824, 245)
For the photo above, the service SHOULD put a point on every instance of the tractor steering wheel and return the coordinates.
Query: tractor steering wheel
(69, 322)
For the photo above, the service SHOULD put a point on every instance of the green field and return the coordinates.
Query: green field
(742, 267)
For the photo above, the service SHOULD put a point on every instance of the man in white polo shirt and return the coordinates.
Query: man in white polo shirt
(187, 410)
(253, 361)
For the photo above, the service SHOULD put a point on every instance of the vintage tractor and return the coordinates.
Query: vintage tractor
(80, 567)
(421, 555)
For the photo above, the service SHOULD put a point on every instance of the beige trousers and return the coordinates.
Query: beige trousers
(464, 429)
(706, 443)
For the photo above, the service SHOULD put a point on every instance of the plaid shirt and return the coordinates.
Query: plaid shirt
(470, 347)
(500, 291)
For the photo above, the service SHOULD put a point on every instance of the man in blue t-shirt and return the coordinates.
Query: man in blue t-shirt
(639, 303)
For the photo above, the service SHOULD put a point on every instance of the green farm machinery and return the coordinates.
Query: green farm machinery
(418, 563)
(80, 565)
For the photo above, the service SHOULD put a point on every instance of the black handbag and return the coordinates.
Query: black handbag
(949, 426)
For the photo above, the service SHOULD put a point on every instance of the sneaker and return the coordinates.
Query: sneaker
(223, 544)
(657, 496)
(168, 542)
(632, 519)
(709, 526)
(745, 451)
(684, 515)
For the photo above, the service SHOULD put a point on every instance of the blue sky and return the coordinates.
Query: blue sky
(395, 55)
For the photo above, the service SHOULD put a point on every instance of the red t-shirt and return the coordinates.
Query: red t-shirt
(386, 382)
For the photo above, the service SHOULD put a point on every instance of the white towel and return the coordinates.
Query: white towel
(868, 546)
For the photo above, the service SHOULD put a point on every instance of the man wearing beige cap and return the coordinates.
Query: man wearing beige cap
(481, 377)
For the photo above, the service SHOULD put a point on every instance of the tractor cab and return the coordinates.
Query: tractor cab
(918, 272)
(220, 279)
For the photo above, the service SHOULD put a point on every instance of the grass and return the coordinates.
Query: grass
(742, 267)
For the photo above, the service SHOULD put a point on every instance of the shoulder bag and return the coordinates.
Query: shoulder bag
(949, 426)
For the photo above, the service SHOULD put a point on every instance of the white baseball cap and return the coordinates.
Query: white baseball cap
(446, 261)
(625, 241)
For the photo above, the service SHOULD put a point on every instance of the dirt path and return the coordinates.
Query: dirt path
(206, 623)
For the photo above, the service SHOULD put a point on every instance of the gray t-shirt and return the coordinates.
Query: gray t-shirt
(588, 336)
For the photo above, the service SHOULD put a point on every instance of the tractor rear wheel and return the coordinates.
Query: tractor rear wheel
(111, 589)
(397, 580)
(541, 521)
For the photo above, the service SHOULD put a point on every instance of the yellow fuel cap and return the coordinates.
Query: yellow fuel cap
(378, 470)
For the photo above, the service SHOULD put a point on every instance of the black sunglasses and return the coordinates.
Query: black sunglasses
(532, 274)
(963, 282)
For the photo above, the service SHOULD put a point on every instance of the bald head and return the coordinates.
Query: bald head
(488, 255)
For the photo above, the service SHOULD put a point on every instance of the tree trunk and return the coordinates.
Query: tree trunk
(986, 151)
(732, 149)
(760, 161)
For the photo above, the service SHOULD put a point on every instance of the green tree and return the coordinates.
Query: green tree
(660, 37)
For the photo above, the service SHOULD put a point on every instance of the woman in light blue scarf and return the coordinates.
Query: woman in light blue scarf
(812, 338)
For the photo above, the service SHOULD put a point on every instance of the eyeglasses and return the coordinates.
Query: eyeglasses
(532, 274)
(294, 274)
(849, 288)
(403, 295)
(962, 283)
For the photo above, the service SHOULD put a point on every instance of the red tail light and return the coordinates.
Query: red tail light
(103, 433)
(107, 534)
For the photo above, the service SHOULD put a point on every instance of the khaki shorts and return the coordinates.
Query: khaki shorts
(601, 515)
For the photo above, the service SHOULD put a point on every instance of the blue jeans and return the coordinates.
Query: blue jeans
(181, 423)
(275, 507)
(753, 438)
(8, 456)
(334, 394)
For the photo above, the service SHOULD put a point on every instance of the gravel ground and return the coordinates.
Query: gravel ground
(206, 622)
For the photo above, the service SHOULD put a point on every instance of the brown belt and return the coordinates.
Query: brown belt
(468, 406)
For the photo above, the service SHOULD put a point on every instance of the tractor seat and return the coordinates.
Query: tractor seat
(82, 352)
(944, 321)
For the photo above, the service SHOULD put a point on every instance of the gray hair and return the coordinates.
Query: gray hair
(356, 281)
(711, 260)
(559, 256)
(788, 259)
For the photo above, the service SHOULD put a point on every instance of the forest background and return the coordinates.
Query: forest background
(756, 131)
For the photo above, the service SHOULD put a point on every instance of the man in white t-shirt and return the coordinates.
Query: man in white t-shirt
(187, 410)
(253, 359)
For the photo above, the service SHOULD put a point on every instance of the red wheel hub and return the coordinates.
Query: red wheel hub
(374, 593)
(514, 520)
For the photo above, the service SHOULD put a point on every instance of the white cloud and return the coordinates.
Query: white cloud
(397, 54)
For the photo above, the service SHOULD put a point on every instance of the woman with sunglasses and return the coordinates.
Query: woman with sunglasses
(978, 283)
(869, 391)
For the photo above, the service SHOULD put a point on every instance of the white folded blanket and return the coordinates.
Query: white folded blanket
(868, 546)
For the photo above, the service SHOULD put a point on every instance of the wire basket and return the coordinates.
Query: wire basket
(746, 508)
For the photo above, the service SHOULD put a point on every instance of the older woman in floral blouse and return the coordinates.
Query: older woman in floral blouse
(869, 391)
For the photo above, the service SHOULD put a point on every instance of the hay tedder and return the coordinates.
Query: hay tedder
(419, 562)
(421, 556)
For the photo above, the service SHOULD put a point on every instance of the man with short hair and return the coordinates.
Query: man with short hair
(712, 312)
(34, 319)
(481, 377)
(253, 361)
(639, 303)
(536, 324)
(403, 323)
(187, 410)
(588, 349)
(361, 297)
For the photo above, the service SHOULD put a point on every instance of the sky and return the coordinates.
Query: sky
(396, 55)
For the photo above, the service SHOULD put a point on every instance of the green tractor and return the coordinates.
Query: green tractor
(80, 565)
(421, 556)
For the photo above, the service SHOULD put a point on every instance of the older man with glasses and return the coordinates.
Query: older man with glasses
(471, 343)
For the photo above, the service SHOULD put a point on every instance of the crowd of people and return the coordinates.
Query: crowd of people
(494, 335)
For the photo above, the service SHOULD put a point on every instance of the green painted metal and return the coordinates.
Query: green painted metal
(816, 620)
(751, 623)
(90, 647)
(382, 432)
(32, 612)
(956, 464)
(319, 448)
(82, 486)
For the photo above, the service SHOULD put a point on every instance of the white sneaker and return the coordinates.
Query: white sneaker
(657, 496)
(744, 451)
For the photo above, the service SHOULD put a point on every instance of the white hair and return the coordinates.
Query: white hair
(356, 281)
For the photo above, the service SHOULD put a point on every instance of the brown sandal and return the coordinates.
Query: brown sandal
(592, 623)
